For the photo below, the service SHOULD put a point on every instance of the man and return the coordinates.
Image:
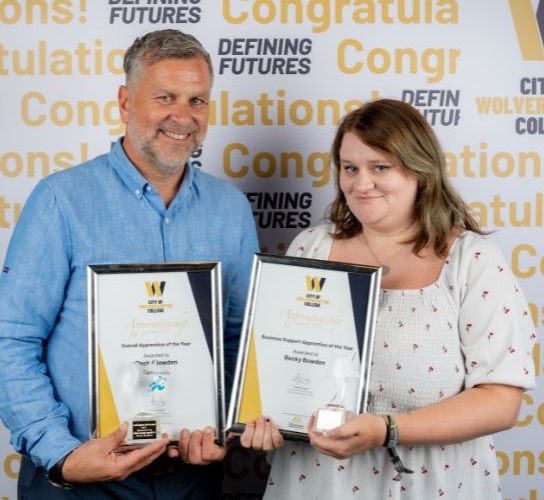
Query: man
(141, 202)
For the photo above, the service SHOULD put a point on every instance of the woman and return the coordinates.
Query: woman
(453, 340)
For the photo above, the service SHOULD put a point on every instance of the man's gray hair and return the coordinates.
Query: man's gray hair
(162, 44)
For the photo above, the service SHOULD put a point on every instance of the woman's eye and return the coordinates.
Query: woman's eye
(381, 168)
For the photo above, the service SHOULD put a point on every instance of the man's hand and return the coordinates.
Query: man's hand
(198, 447)
(96, 459)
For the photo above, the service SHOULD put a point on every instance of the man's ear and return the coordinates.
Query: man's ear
(123, 100)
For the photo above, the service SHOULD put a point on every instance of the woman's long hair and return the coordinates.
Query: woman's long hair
(400, 132)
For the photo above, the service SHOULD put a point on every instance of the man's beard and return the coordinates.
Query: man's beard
(152, 156)
(164, 166)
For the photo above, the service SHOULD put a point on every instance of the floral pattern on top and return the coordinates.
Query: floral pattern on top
(470, 327)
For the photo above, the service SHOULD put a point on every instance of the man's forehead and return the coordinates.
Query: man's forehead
(149, 62)
(174, 71)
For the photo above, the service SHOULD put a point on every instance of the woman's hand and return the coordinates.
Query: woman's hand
(359, 434)
(261, 434)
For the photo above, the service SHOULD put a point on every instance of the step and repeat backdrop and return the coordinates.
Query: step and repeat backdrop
(286, 71)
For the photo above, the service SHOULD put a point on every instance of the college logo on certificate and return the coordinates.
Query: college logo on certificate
(155, 345)
(306, 342)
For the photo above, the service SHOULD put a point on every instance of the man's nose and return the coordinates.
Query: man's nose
(182, 113)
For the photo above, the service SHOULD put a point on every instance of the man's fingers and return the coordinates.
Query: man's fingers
(113, 440)
(210, 451)
(198, 447)
(194, 450)
(137, 459)
(183, 444)
(97, 460)
(172, 452)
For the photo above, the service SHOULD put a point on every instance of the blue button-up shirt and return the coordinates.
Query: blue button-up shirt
(103, 211)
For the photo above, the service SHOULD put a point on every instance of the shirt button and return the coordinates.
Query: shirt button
(167, 220)
(148, 188)
(137, 192)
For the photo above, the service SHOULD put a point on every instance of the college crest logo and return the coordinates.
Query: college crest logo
(155, 288)
(314, 284)
(529, 26)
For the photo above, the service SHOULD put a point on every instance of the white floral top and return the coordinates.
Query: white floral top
(472, 326)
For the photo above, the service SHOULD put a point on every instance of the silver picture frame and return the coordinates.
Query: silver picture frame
(306, 342)
(155, 335)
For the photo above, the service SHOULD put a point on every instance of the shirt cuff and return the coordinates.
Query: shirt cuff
(54, 445)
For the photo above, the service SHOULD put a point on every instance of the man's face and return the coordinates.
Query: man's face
(165, 110)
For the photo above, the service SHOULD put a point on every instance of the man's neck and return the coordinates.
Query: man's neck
(167, 185)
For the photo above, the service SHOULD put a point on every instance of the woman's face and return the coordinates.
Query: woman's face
(379, 191)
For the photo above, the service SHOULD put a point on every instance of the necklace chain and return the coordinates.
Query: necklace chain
(385, 268)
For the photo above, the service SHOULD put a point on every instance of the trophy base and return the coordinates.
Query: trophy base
(330, 417)
(143, 429)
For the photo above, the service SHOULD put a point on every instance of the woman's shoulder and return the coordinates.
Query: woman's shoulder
(473, 246)
(314, 242)
(474, 256)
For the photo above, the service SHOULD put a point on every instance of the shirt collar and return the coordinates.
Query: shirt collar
(136, 182)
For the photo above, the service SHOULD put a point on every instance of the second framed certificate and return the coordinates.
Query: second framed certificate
(306, 342)
(155, 344)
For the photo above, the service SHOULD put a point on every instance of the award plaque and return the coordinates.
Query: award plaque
(306, 342)
(155, 349)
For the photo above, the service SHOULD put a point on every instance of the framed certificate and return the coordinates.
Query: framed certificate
(155, 349)
(306, 342)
